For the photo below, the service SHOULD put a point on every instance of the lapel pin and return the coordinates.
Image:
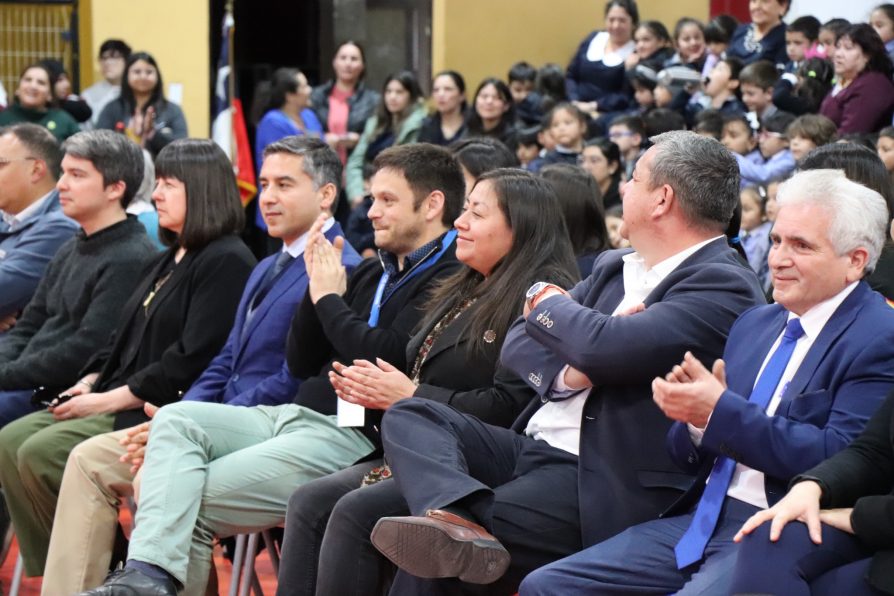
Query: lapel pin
(490, 336)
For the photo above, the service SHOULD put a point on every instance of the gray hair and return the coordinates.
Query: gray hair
(703, 174)
(114, 156)
(321, 162)
(859, 215)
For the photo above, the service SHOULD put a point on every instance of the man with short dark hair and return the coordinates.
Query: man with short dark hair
(798, 381)
(212, 469)
(586, 459)
(75, 307)
(33, 226)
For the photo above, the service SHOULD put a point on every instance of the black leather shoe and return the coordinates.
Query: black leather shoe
(133, 582)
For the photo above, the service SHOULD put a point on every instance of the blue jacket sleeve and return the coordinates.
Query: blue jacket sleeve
(764, 173)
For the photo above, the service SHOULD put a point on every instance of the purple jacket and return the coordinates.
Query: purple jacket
(866, 105)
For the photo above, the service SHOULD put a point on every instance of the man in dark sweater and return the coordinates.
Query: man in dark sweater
(75, 307)
(235, 468)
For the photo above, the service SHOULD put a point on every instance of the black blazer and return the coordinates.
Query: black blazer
(187, 324)
(471, 382)
(862, 476)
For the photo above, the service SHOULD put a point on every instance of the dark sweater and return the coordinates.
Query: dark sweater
(58, 122)
(336, 328)
(75, 308)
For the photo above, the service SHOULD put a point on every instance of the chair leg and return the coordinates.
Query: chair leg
(238, 558)
(17, 576)
(248, 567)
(272, 551)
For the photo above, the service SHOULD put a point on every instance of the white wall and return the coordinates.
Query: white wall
(853, 10)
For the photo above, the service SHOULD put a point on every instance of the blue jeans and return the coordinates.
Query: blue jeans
(15, 404)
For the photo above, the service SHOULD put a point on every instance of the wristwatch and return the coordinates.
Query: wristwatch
(532, 296)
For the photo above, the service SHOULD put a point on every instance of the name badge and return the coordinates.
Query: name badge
(350, 415)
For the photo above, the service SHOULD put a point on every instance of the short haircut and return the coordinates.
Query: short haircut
(815, 127)
(117, 46)
(703, 174)
(859, 216)
(661, 120)
(761, 74)
(213, 207)
(115, 157)
(633, 123)
(709, 121)
(40, 143)
(479, 155)
(320, 161)
(522, 71)
(807, 25)
(569, 107)
(778, 122)
(427, 168)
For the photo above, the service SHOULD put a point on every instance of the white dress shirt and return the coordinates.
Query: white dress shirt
(558, 422)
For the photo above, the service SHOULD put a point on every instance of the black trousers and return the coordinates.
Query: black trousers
(524, 491)
(328, 523)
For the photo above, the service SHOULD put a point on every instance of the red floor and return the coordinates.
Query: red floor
(31, 587)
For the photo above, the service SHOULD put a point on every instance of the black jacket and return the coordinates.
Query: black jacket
(187, 323)
(862, 476)
(336, 329)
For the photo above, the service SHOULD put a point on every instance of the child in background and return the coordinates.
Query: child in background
(882, 20)
(709, 123)
(739, 137)
(771, 208)
(628, 132)
(522, 77)
(808, 132)
(567, 126)
(528, 147)
(885, 148)
(602, 159)
(773, 145)
(803, 92)
(661, 120)
(720, 91)
(755, 231)
(653, 46)
(689, 38)
(828, 34)
(718, 32)
(801, 41)
(614, 219)
(643, 80)
(756, 82)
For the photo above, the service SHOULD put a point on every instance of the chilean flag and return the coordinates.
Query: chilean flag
(228, 119)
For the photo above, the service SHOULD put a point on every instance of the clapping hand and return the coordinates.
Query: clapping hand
(326, 272)
(689, 392)
(375, 386)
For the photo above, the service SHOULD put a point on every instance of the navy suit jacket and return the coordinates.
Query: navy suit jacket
(251, 369)
(842, 381)
(26, 252)
(626, 475)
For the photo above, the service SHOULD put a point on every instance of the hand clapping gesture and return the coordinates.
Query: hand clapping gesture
(323, 263)
(374, 386)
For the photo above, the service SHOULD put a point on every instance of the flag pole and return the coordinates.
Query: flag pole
(231, 60)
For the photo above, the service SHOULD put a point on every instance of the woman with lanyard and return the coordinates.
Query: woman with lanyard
(510, 233)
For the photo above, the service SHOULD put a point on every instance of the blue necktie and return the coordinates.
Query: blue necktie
(691, 546)
(270, 278)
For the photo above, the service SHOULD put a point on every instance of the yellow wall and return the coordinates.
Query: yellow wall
(173, 31)
(484, 38)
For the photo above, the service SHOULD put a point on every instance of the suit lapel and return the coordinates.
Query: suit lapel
(294, 273)
(834, 327)
(759, 343)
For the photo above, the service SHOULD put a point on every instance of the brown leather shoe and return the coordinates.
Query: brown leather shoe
(441, 544)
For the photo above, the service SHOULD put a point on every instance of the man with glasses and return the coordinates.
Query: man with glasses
(33, 226)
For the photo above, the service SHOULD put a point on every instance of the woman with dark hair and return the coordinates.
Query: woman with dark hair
(478, 155)
(493, 113)
(862, 99)
(343, 104)
(602, 159)
(764, 37)
(595, 78)
(581, 203)
(282, 110)
(35, 102)
(864, 166)
(142, 112)
(511, 234)
(176, 321)
(448, 122)
(654, 47)
(397, 122)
